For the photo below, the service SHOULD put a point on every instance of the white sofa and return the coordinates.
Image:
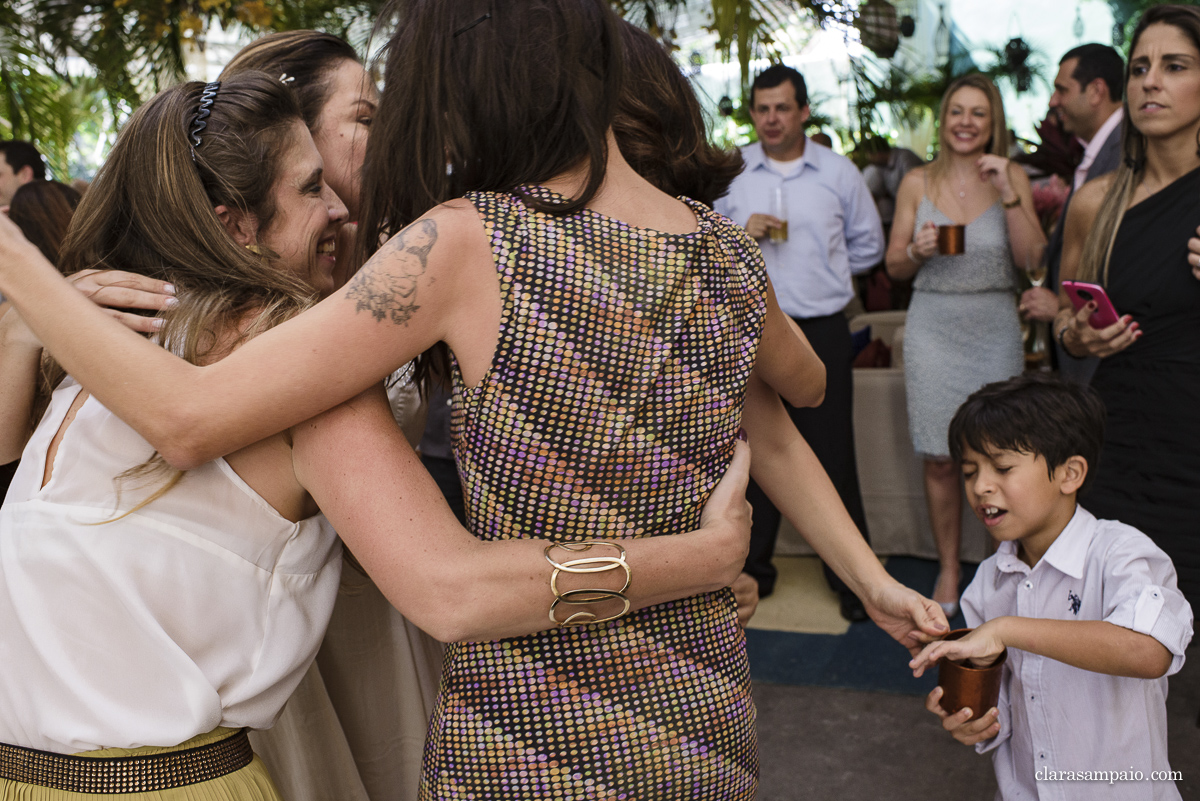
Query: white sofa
(889, 472)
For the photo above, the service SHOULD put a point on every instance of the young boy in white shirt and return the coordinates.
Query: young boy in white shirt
(1088, 608)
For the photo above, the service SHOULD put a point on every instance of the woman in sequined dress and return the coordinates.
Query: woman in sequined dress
(603, 334)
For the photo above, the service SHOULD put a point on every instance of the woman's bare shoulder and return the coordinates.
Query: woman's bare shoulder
(912, 188)
(1089, 197)
(914, 179)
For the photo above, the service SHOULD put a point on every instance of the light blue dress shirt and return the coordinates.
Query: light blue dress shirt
(834, 230)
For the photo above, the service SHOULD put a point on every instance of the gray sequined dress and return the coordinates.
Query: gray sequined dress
(962, 329)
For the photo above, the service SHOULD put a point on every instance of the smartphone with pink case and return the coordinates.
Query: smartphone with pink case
(1081, 293)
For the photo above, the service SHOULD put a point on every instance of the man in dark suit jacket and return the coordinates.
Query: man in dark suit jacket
(1087, 99)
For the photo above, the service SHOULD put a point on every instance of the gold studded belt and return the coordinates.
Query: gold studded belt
(127, 774)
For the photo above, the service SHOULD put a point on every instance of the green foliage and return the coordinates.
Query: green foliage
(133, 48)
(750, 25)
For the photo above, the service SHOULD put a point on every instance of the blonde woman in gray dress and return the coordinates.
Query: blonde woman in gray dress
(962, 329)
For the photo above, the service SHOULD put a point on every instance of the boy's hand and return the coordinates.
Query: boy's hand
(981, 646)
(967, 732)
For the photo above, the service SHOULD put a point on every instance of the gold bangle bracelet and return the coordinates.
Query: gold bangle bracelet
(587, 596)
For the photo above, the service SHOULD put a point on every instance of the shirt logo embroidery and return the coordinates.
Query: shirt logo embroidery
(1075, 602)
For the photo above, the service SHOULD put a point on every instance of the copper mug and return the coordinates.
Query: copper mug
(966, 686)
(952, 239)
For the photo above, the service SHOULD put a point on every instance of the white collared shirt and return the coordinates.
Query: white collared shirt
(1092, 149)
(834, 230)
(1056, 718)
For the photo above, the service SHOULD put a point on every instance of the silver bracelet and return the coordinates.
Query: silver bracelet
(908, 251)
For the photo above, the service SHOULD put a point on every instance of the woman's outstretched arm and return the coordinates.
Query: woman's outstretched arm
(788, 471)
(433, 281)
(374, 490)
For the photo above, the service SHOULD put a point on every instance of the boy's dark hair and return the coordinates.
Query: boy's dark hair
(1032, 414)
(1098, 61)
(21, 154)
(775, 75)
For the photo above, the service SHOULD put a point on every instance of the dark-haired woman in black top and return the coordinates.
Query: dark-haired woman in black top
(1129, 232)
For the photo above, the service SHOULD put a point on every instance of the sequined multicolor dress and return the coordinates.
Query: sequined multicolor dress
(610, 409)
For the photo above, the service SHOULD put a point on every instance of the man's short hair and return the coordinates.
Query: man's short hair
(1098, 61)
(21, 154)
(775, 75)
(1032, 414)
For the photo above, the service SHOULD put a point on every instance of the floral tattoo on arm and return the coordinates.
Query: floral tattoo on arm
(392, 293)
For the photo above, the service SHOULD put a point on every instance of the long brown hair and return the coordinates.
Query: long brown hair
(150, 211)
(303, 60)
(490, 96)
(998, 143)
(43, 211)
(1097, 249)
(661, 129)
(481, 95)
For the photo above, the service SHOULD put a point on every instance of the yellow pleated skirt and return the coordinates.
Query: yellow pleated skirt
(251, 783)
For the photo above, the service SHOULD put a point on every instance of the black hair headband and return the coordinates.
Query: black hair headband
(203, 111)
(471, 25)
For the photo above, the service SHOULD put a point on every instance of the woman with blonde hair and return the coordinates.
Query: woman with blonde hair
(1128, 232)
(962, 329)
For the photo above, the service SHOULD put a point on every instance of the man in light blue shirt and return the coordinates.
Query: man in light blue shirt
(828, 231)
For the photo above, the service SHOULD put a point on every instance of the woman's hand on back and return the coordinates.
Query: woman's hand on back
(726, 515)
(119, 292)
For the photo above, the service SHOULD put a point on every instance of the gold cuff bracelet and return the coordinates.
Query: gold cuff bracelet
(585, 597)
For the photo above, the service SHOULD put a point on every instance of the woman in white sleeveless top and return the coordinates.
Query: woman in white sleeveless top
(147, 612)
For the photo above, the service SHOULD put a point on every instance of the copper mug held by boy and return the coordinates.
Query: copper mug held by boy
(964, 685)
(951, 239)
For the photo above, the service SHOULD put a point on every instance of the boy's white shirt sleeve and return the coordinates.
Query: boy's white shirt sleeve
(1141, 594)
(972, 603)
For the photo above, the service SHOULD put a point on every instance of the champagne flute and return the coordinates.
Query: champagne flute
(779, 210)
(1037, 353)
(1035, 270)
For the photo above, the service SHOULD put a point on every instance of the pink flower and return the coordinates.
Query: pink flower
(1049, 195)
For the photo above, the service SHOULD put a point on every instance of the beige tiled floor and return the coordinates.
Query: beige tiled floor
(802, 601)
